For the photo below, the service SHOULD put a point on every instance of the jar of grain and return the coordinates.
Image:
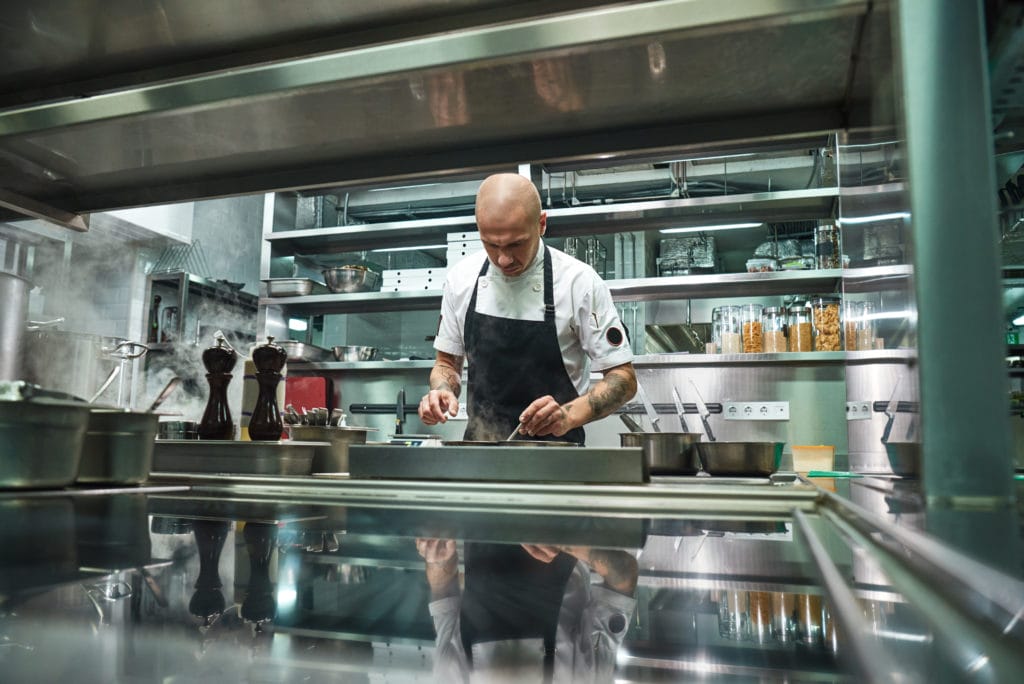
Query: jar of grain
(773, 326)
(753, 337)
(866, 327)
(799, 328)
(852, 314)
(826, 321)
(732, 329)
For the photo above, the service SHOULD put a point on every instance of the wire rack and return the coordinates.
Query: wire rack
(188, 258)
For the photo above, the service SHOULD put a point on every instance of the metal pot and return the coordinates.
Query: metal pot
(751, 459)
(665, 453)
(40, 443)
(76, 363)
(333, 458)
(13, 310)
(118, 447)
(904, 458)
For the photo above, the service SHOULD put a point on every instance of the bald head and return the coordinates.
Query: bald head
(510, 221)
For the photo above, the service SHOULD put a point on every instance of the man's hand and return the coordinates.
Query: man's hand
(545, 417)
(442, 401)
(442, 565)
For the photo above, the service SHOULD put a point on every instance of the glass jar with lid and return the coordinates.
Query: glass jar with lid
(866, 327)
(773, 328)
(752, 332)
(827, 247)
(826, 321)
(716, 331)
(732, 327)
(800, 327)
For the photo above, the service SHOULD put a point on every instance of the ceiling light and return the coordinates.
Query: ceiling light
(297, 324)
(876, 217)
(708, 229)
(410, 249)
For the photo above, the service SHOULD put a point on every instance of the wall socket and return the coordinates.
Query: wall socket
(756, 410)
(858, 410)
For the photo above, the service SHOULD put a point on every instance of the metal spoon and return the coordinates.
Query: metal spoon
(164, 393)
(515, 432)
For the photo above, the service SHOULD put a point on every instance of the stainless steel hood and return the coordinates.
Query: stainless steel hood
(158, 103)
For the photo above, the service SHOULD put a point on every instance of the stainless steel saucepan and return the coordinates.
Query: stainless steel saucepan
(665, 453)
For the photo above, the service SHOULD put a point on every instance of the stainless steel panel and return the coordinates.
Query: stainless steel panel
(250, 458)
(875, 382)
(13, 311)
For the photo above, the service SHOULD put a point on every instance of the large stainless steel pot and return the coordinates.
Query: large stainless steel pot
(118, 447)
(749, 459)
(40, 443)
(76, 363)
(333, 458)
(13, 310)
(665, 453)
(904, 458)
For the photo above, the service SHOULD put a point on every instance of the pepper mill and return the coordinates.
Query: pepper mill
(216, 422)
(259, 605)
(266, 424)
(207, 603)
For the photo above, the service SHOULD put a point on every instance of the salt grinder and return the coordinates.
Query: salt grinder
(266, 423)
(219, 361)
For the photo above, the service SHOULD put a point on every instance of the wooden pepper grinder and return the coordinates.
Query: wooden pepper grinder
(266, 423)
(219, 361)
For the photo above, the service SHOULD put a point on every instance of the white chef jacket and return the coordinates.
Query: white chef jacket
(590, 334)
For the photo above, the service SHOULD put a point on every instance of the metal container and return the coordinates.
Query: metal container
(740, 458)
(355, 353)
(297, 351)
(665, 453)
(508, 443)
(351, 279)
(40, 443)
(76, 363)
(233, 457)
(904, 458)
(13, 310)
(333, 456)
(292, 287)
(178, 429)
(118, 447)
(37, 536)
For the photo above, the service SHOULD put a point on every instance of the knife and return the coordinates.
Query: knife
(704, 413)
(652, 414)
(631, 424)
(890, 411)
(680, 409)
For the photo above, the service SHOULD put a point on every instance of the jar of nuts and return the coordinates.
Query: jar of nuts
(752, 332)
(799, 327)
(826, 321)
(773, 326)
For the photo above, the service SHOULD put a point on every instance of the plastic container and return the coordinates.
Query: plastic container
(753, 337)
(762, 265)
(732, 330)
(826, 321)
(773, 328)
(800, 329)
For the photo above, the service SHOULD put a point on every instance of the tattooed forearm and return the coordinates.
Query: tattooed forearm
(447, 374)
(614, 390)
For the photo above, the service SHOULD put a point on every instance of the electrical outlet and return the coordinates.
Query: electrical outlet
(756, 410)
(858, 410)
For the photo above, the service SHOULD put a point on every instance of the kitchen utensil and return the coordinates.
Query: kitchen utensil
(41, 442)
(665, 453)
(14, 295)
(114, 372)
(76, 363)
(680, 409)
(355, 353)
(164, 393)
(704, 413)
(890, 411)
(904, 458)
(118, 447)
(740, 458)
(652, 414)
(631, 424)
(508, 443)
(292, 287)
(514, 432)
(297, 351)
(351, 279)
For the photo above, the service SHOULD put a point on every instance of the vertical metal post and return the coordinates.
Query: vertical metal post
(966, 435)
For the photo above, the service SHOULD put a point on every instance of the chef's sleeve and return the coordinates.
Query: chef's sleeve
(602, 334)
(450, 324)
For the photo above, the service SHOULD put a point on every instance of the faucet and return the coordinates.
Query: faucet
(400, 411)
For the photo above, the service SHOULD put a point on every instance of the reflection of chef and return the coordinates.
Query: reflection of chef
(554, 82)
(532, 322)
(528, 613)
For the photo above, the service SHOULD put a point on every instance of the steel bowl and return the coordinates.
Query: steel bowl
(751, 459)
(355, 353)
(351, 279)
(904, 458)
(297, 351)
(665, 453)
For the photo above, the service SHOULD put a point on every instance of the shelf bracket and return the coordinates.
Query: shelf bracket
(37, 210)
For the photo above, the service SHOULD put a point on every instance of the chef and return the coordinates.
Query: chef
(532, 322)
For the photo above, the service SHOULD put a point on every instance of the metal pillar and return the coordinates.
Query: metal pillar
(966, 432)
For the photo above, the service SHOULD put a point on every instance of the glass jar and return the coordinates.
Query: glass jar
(799, 328)
(773, 327)
(716, 330)
(732, 330)
(827, 248)
(866, 327)
(826, 321)
(753, 338)
(852, 314)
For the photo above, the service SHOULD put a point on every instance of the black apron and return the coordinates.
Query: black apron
(510, 595)
(511, 363)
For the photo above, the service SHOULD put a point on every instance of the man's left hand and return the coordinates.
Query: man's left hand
(545, 417)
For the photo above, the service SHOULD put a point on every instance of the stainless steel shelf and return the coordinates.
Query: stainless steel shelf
(802, 358)
(300, 366)
(357, 302)
(368, 236)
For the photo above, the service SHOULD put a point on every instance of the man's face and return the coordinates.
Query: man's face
(511, 239)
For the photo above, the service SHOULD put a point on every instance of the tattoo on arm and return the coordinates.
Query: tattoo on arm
(614, 390)
(447, 373)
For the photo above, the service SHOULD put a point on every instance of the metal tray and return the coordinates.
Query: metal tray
(297, 351)
(293, 287)
(234, 457)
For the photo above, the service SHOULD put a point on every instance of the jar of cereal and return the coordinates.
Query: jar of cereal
(773, 327)
(826, 321)
(732, 327)
(799, 327)
(752, 332)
